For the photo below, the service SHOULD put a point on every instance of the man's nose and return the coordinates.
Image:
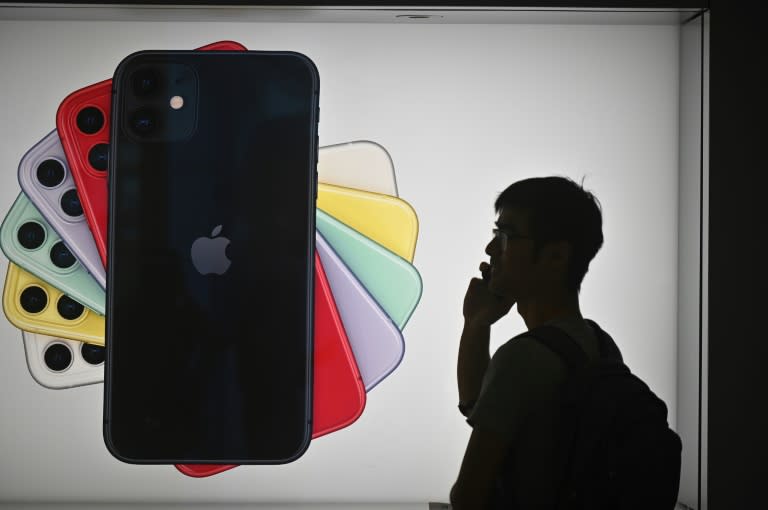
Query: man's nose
(492, 247)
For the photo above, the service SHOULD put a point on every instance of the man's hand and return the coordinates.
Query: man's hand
(481, 309)
(481, 306)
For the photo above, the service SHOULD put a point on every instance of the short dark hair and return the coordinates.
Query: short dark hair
(559, 209)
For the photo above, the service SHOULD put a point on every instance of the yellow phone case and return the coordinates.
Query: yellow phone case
(388, 220)
(88, 327)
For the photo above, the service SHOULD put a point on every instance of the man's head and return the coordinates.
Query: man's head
(548, 231)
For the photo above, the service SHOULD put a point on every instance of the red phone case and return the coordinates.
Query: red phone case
(91, 183)
(338, 390)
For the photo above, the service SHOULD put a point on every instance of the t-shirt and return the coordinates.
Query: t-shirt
(520, 400)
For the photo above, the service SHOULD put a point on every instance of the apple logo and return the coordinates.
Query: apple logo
(208, 253)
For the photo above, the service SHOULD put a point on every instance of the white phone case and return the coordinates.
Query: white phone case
(78, 372)
(361, 164)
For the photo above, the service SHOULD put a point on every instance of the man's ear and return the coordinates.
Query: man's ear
(559, 252)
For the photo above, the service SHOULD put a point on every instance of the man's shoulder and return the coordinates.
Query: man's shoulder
(526, 344)
(525, 352)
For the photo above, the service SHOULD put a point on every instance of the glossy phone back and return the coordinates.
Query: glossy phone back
(211, 239)
(28, 240)
(376, 341)
(32, 305)
(45, 178)
(388, 220)
(360, 164)
(338, 392)
(365, 165)
(83, 123)
(59, 363)
(393, 282)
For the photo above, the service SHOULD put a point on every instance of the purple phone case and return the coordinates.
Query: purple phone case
(376, 341)
(74, 231)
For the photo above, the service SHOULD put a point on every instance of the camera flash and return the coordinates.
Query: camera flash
(177, 102)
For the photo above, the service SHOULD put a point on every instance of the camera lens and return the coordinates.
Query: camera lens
(98, 156)
(90, 120)
(58, 357)
(93, 354)
(144, 82)
(69, 308)
(61, 256)
(143, 122)
(50, 173)
(70, 203)
(33, 299)
(31, 235)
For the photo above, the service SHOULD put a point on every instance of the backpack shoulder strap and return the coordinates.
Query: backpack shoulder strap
(606, 345)
(576, 361)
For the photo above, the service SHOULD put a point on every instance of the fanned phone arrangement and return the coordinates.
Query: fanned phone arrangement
(139, 257)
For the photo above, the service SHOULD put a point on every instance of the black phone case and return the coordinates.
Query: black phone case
(210, 361)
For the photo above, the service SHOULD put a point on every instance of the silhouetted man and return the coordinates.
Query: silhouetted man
(548, 230)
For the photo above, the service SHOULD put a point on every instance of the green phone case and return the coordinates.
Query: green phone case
(392, 281)
(74, 280)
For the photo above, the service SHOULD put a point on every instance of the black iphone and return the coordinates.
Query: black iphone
(210, 297)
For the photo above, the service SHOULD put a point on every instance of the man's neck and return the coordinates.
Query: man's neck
(536, 312)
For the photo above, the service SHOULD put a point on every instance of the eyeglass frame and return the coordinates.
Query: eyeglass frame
(503, 237)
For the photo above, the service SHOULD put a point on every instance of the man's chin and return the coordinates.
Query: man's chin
(495, 288)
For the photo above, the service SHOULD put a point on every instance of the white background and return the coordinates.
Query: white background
(464, 110)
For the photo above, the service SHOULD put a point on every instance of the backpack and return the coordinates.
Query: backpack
(616, 448)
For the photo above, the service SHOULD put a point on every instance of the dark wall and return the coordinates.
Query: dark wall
(738, 344)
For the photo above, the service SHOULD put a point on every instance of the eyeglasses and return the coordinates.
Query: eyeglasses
(504, 237)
